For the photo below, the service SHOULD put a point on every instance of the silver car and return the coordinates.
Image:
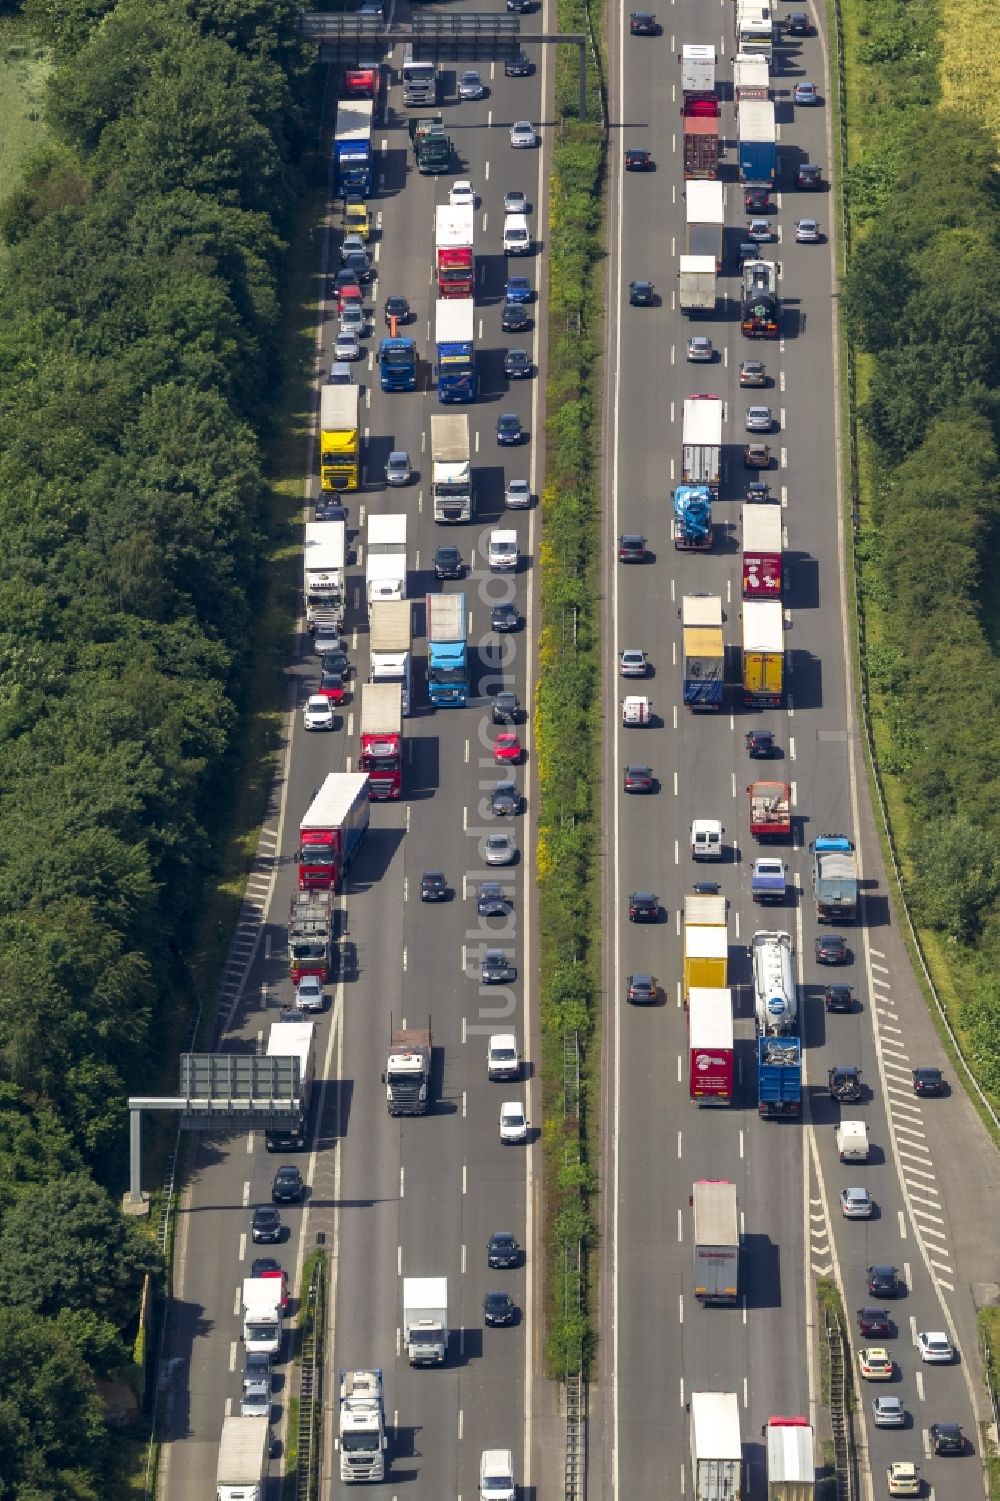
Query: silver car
(888, 1412)
(340, 374)
(499, 849)
(700, 350)
(759, 420)
(517, 495)
(352, 319)
(353, 244)
(470, 85)
(346, 346)
(397, 468)
(632, 663)
(515, 202)
(522, 133)
(856, 1203)
(806, 232)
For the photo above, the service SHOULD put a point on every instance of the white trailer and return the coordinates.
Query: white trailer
(791, 1460)
(701, 438)
(706, 220)
(325, 558)
(696, 293)
(390, 645)
(697, 69)
(294, 1040)
(425, 1319)
(751, 77)
(451, 467)
(716, 1241)
(716, 1449)
(362, 1438)
(262, 1318)
(775, 1004)
(385, 558)
(241, 1474)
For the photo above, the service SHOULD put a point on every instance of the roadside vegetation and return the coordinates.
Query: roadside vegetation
(140, 318)
(924, 218)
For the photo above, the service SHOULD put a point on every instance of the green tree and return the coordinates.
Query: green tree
(957, 876)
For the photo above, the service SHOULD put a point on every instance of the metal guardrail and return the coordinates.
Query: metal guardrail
(843, 1466)
(308, 1431)
(576, 1439)
(574, 1382)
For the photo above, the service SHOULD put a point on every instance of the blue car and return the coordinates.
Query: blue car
(518, 289)
(806, 93)
(509, 429)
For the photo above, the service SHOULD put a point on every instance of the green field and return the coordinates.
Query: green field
(24, 68)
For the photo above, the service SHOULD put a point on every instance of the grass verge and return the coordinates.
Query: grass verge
(24, 70)
(989, 1344)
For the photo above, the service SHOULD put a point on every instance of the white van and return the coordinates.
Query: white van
(496, 1475)
(516, 236)
(852, 1141)
(706, 839)
(503, 552)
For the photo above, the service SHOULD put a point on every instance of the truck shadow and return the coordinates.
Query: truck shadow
(801, 581)
(761, 1276)
(374, 858)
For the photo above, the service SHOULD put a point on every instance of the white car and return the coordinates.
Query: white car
(353, 243)
(517, 494)
(856, 1203)
(903, 1478)
(346, 346)
(461, 194)
(499, 849)
(352, 320)
(632, 663)
(397, 468)
(309, 994)
(522, 133)
(513, 1122)
(935, 1348)
(503, 1061)
(318, 713)
(340, 374)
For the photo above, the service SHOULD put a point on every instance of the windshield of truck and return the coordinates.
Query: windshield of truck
(308, 948)
(429, 1337)
(417, 72)
(360, 1443)
(397, 357)
(447, 674)
(260, 1333)
(394, 1078)
(379, 763)
(316, 854)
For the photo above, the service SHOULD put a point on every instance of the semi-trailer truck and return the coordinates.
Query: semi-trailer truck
(716, 1241)
(705, 220)
(716, 1449)
(385, 558)
(390, 646)
(397, 363)
(294, 1040)
(420, 80)
(759, 310)
(447, 651)
(451, 467)
(710, 1045)
(761, 528)
(361, 1438)
(706, 957)
(352, 147)
(701, 441)
(776, 1009)
(791, 1459)
(454, 267)
(758, 158)
(454, 334)
(324, 558)
(696, 286)
(407, 1076)
(381, 755)
(339, 443)
(751, 78)
(763, 653)
(704, 651)
(332, 827)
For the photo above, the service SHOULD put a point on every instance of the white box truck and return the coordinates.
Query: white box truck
(716, 1450)
(696, 294)
(385, 558)
(716, 1241)
(243, 1452)
(425, 1319)
(451, 467)
(791, 1460)
(262, 1298)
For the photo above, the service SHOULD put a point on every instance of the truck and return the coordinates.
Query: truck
(791, 1459)
(339, 438)
(701, 441)
(705, 220)
(775, 1004)
(454, 266)
(759, 308)
(762, 552)
(705, 910)
(362, 82)
(431, 144)
(768, 880)
(352, 147)
(496, 1476)
(754, 28)
(706, 958)
(763, 653)
(454, 333)
(324, 587)
(407, 1076)
(382, 740)
(397, 363)
(770, 810)
(696, 286)
(751, 78)
(385, 557)
(425, 1319)
(294, 1040)
(244, 1448)
(716, 1243)
(447, 651)
(697, 71)
(779, 1077)
(332, 828)
(262, 1299)
(390, 646)
(361, 1438)
(420, 80)
(835, 878)
(710, 1045)
(701, 137)
(310, 935)
(716, 1450)
(451, 467)
(757, 149)
(691, 527)
(704, 651)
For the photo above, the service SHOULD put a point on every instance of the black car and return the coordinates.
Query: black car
(642, 23)
(631, 548)
(642, 990)
(520, 7)
(509, 429)
(749, 251)
(433, 886)
(928, 1081)
(883, 1282)
(831, 949)
(503, 1251)
(638, 161)
(496, 968)
(498, 1309)
(293, 1014)
(336, 661)
(517, 364)
(640, 293)
(263, 1266)
(760, 745)
(288, 1186)
(947, 1438)
(448, 563)
(638, 779)
(706, 888)
(506, 707)
(758, 493)
(809, 177)
(358, 262)
(329, 507)
(643, 906)
(346, 277)
(505, 618)
(398, 308)
(514, 319)
(505, 801)
(797, 23)
(518, 66)
(756, 200)
(839, 998)
(266, 1226)
(492, 900)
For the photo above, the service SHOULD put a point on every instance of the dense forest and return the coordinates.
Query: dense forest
(139, 307)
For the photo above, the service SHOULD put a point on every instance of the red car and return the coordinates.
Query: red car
(875, 1321)
(506, 748)
(331, 686)
(639, 161)
(266, 1266)
(350, 294)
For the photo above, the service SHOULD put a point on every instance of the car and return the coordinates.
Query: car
(340, 374)
(492, 900)
(346, 346)
(809, 177)
(874, 1322)
(839, 998)
(509, 429)
(935, 1347)
(461, 194)
(352, 319)
(903, 1478)
(883, 1281)
(753, 373)
(513, 1123)
(433, 886)
(495, 968)
(336, 660)
(266, 1226)
(503, 1061)
(758, 420)
(637, 160)
(359, 262)
(756, 456)
(514, 318)
(638, 779)
(805, 93)
(332, 686)
(517, 364)
(797, 23)
(504, 618)
(748, 251)
(293, 1014)
(346, 280)
(397, 468)
(831, 949)
(806, 232)
(632, 663)
(947, 1438)
(760, 745)
(758, 493)
(398, 308)
(269, 1266)
(515, 202)
(631, 548)
(888, 1412)
(505, 800)
(856, 1204)
(760, 231)
(518, 66)
(288, 1187)
(700, 351)
(318, 713)
(356, 216)
(928, 1081)
(642, 990)
(522, 133)
(876, 1363)
(503, 1251)
(507, 749)
(643, 906)
(448, 562)
(506, 707)
(309, 994)
(470, 85)
(642, 23)
(641, 294)
(756, 201)
(518, 289)
(705, 888)
(517, 495)
(499, 1309)
(499, 849)
(255, 1393)
(522, 7)
(352, 244)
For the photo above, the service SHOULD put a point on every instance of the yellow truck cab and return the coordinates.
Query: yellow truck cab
(357, 220)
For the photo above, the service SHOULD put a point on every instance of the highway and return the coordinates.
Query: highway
(659, 1344)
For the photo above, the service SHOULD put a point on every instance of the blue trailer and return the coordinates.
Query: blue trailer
(454, 329)
(352, 148)
(779, 1076)
(447, 651)
(758, 150)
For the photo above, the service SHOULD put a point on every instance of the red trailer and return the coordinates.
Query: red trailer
(710, 1046)
(762, 552)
